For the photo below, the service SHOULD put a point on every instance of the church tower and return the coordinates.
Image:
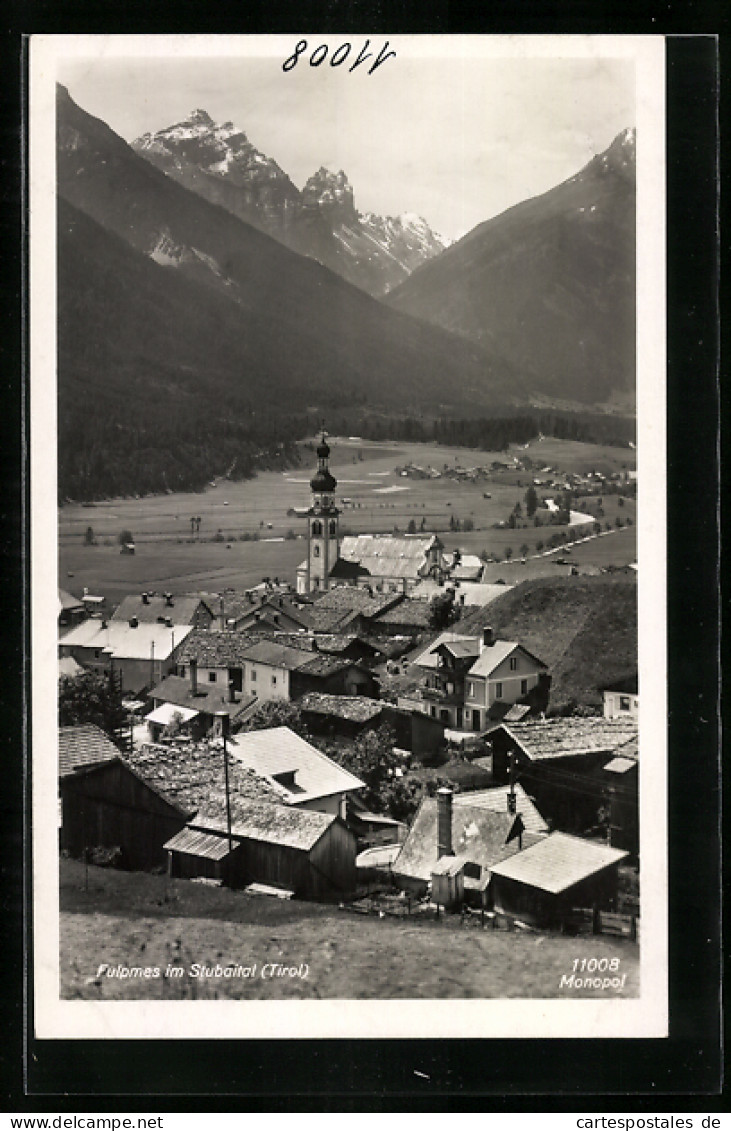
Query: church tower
(323, 535)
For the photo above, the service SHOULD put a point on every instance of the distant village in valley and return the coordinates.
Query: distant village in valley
(361, 737)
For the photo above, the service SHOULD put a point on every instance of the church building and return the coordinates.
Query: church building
(383, 563)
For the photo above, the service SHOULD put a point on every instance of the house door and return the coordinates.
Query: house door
(235, 679)
(476, 720)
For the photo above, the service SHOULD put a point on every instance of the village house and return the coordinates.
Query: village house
(349, 610)
(621, 699)
(301, 774)
(467, 680)
(262, 609)
(348, 717)
(194, 706)
(165, 608)
(138, 655)
(562, 763)
(252, 665)
(476, 837)
(135, 802)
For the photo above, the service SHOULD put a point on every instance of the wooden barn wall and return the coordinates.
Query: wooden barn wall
(281, 866)
(112, 807)
(333, 859)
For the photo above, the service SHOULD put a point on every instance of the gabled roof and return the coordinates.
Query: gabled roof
(279, 655)
(273, 823)
(337, 607)
(117, 639)
(325, 665)
(84, 745)
(460, 649)
(558, 862)
(354, 708)
(496, 800)
(68, 601)
(190, 775)
(427, 657)
(564, 738)
(181, 611)
(386, 555)
(278, 750)
(495, 654)
(478, 834)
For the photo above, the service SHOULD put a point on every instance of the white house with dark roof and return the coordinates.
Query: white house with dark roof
(468, 677)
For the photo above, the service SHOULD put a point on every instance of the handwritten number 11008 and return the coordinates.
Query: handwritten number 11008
(339, 56)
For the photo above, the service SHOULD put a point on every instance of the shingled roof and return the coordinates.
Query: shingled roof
(207, 700)
(354, 708)
(84, 745)
(334, 610)
(213, 648)
(564, 738)
(189, 775)
(496, 800)
(279, 824)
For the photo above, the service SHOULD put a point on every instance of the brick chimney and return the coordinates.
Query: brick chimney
(145, 598)
(194, 677)
(488, 637)
(444, 823)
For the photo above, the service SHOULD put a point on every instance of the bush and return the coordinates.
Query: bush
(125, 536)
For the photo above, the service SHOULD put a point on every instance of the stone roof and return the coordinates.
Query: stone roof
(213, 648)
(354, 708)
(190, 775)
(84, 745)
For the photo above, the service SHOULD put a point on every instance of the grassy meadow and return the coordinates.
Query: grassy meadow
(170, 555)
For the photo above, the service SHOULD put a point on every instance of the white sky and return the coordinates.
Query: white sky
(456, 130)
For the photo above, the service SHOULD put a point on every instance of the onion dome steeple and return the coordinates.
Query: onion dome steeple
(323, 481)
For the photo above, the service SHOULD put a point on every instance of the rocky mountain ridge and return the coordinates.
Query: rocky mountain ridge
(219, 162)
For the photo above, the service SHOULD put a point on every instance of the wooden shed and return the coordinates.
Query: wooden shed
(136, 802)
(541, 884)
(308, 853)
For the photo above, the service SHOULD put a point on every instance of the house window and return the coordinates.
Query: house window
(624, 702)
(513, 663)
(181, 671)
(253, 675)
(316, 529)
(498, 690)
(471, 690)
(274, 681)
(97, 653)
(524, 687)
(333, 528)
(316, 551)
(433, 712)
(211, 677)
